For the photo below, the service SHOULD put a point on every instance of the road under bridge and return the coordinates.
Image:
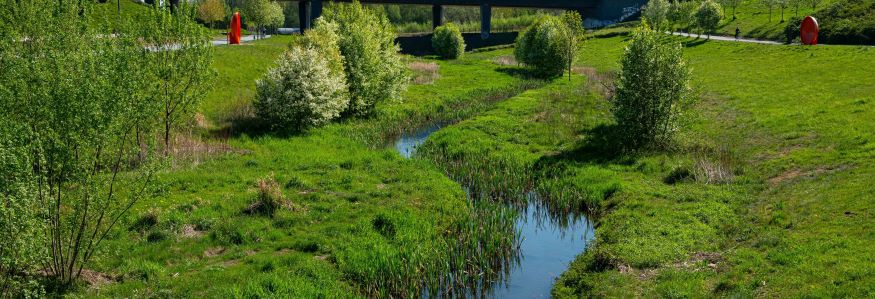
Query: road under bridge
(596, 13)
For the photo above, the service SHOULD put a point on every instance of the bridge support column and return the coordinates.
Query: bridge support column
(304, 15)
(315, 10)
(437, 16)
(485, 20)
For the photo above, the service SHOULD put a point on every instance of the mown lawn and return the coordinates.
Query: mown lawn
(361, 220)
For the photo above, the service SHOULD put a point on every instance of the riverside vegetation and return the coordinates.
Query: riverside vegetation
(749, 199)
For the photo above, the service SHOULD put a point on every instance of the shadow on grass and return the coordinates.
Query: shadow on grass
(523, 73)
(252, 126)
(602, 146)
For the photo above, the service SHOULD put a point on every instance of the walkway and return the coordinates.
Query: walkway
(730, 38)
(243, 39)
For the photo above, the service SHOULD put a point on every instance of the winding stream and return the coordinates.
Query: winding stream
(546, 249)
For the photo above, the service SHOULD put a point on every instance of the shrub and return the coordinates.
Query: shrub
(301, 91)
(448, 42)
(374, 70)
(81, 97)
(543, 47)
(270, 197)
(652, 88)
(847, 22)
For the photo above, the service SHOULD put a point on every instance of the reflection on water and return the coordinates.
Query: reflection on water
(548, 244)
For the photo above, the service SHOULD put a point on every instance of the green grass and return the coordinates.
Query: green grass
(364, 222)
(793, 222)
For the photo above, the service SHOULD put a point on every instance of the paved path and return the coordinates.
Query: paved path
(731, 39)
(243, 39)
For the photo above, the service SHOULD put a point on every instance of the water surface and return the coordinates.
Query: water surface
(546, 249)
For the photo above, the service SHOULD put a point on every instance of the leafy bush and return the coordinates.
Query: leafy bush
(652, 88)
(81, 97)
(374, 70)
(543, 47)
(448, 42)
(21, 250)
(847, 22)
(301, 91)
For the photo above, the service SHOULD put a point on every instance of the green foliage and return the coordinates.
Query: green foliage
(708, 16)
(656, 13)
(179, 65)
(651, 90)
(83, 99)
(680, 14)
(847, 22)
(373, 67)
(22, 251)
(544, 47)
(447, 41)
(302, 91)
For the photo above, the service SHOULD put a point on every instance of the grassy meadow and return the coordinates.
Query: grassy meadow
(355, 209)
(765, 195)
(767, 192)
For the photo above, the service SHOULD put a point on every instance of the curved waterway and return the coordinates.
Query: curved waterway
(547, 245)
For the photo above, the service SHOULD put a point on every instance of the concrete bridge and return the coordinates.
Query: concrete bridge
(596, 13)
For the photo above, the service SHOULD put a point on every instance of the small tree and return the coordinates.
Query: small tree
(652, 89)
(681, 14)
(544, 47)
(769, 4)
(734, 4)
(574, 40)
(783, 4)
(814, 3)
(708, 16)
(211, 11)
(447, 41)
(256, 13)
(656, 13)
(274, 17)
(180, 65)
(374, 69)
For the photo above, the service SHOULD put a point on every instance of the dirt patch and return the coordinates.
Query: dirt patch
(505, 60)
(796, 173)
(211, 252)
(600, 82)
(189, 231)
(96, 279)
(424, 72)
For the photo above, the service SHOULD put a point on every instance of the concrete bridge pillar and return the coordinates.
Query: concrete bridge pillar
(485, 20)
(307, 12)
(304, 15)
(437, 16)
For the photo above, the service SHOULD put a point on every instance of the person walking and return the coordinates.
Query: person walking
(737, 32)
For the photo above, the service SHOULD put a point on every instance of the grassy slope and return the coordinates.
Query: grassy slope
(753, 19)
(327, 249)
(803, 135)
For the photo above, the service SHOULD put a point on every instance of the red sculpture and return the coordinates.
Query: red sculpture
(809, 30)
(234, 31)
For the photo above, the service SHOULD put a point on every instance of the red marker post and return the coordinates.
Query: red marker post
(809, 30)
(234, 31)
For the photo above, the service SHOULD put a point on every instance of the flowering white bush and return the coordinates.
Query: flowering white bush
(301, 91)
(374, 69)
